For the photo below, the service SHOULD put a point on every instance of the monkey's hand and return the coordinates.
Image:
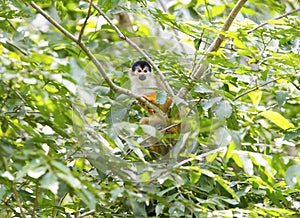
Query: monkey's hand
(152, 99)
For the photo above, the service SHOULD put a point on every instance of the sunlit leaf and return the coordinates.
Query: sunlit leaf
(292, 177)
(223, 110)
(277, 119)
(50, 181)
(255, 97)
(195, 176)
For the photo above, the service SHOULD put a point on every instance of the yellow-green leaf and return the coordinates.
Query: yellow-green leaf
(255, 97)
(277, 119)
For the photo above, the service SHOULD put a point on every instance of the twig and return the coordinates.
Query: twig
(36, 200)
(161, 131)
(59, 203)
(135, 46)
(85, 21)
(17, 48)
(198, 157)
(98, 65)
(17, 197)
(87, 213)
(297, 86)
(255, 88)
(276, 18)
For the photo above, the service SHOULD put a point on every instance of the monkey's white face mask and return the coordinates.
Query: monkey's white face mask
(143, 81)
(142, 73)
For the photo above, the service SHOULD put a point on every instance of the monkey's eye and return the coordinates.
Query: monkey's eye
(139, 70)
(145, 71)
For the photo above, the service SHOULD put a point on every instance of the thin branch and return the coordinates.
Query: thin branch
(85, 21)
(297, 86)
(98, 65)
(14, 189)
(59, 203)
(87, 213)
(255, 88)
(276, 18)
(135, 46)
(198, 157)
(53, 22)
(36, 200)
(17, 48)
(161, 131)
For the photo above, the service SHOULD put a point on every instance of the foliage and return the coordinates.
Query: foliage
(70, 144)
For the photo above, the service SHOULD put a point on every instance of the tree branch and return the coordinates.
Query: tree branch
(198, 157)
(201, 69)
(255, 88)
(85, 21)
(14, 190)
(276, 18)
(198, 72)
(87, 213)
(136, 47)
(297, 87)
(36, 199)
(95, 61)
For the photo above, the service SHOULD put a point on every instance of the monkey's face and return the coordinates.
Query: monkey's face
(141, 69)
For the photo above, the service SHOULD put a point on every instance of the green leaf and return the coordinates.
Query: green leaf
(159, 209)
(37, 172)
(281, 98)
(50, 182)
(209, 103)
(40, 58)
(292, 177)
(4, 124)
(197, 43)
(255, 97)
(218, 9)
(161, 97)
(277, 119)
(194, 176)
(292, 135)
(145, 177)
(223, 110)
(212, 157)
(222, 182)
(108, 4)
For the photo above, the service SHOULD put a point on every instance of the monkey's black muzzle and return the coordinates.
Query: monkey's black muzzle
(142, 77)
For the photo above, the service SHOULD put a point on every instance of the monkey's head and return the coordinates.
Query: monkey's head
(141, 69)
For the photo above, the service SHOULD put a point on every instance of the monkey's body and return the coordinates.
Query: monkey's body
(145, 84)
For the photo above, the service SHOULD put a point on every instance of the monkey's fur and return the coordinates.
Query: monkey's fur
(145, 84)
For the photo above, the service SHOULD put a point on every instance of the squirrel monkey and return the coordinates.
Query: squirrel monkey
(147, 85)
